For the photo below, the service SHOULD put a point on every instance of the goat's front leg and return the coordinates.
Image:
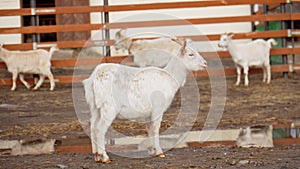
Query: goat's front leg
(21, 76)
(238, 71)
(153, 132)
(246, 70)
(14, 79)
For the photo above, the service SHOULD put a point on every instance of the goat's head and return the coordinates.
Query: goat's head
(121, 41)
(191, 58)
(224, 40)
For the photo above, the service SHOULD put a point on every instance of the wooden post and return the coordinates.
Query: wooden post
(284, 40)
(33, 23)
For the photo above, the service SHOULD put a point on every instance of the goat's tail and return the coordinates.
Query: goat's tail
(271, 42)
(89, 93)
(52, 50)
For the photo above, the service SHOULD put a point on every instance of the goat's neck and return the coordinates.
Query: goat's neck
(128, 43)
(177, 70)
(233, 49)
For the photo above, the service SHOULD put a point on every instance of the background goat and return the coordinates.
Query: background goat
(29, 62)
(252, 54)
(142, 50)
(118, 91)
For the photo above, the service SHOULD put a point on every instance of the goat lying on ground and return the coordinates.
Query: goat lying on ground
(118, 91)
(142, 50)
(29, 62)
(253, 54)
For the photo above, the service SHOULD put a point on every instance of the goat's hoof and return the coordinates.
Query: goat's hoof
(161, 155)
(106, 162)
(103, 161)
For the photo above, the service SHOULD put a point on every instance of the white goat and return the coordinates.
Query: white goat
(252, 54)
(29, 62)
(119, 91)
(142, 50)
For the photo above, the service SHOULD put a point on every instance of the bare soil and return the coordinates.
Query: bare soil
(35, 114)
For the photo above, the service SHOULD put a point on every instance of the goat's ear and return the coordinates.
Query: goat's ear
(120, 33)
(182, 50)
(230, 35)
(188, 41)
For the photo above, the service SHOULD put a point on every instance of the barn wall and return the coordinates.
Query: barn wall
(10, 21)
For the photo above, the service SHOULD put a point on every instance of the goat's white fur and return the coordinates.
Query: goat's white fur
(118, 91)
(29, 62)
(142, 50)
(252, 54)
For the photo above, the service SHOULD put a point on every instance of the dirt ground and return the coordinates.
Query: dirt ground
(27, 114)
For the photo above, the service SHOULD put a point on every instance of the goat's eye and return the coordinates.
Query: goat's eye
(191, 54)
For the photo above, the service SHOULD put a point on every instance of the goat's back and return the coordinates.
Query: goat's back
(130, 89)
(32, 61)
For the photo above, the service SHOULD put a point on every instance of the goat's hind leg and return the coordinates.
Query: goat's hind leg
(40, 82)
(108, 114)
(268, 68)
(264, 74)
(95, 116)
(51, 79)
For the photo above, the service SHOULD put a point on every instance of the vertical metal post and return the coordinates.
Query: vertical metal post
(252, 13)
(266, 24)
(284, 40)
(292, 28)
(106, 31)
(33, 23)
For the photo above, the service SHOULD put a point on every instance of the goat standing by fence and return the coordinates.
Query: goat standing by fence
(118, 91)
(253, 54)
(142, 50)
(29, 62)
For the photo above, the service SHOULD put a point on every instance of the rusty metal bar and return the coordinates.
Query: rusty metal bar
(284, 39)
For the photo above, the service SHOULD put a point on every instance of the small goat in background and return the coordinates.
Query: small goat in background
(143, 50)
(29, 62)
(252, 54)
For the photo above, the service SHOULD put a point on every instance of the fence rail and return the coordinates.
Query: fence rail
(284, 33)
